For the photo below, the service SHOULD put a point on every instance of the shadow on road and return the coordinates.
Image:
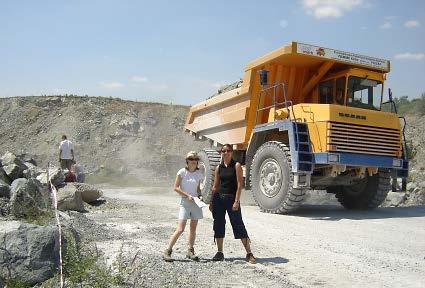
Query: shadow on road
(335, 212)
(263, 260)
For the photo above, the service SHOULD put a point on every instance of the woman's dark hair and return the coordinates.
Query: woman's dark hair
(228, 146)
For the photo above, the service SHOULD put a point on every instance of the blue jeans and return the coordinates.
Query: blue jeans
(221, 204)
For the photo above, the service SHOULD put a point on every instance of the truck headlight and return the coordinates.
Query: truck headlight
(333, 158)
(397, 162)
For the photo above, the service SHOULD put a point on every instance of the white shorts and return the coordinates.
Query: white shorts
(189, 210)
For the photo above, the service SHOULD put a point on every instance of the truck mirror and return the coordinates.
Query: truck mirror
(263, 77)
(390, 94)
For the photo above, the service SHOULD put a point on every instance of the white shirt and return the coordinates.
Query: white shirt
(190, 181)
(66, 146)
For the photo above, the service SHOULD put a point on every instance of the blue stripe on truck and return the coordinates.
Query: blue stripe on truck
(355, 159)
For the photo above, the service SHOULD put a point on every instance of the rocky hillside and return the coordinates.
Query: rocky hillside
(111, 136)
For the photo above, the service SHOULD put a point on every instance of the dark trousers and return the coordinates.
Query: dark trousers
(221, 204)
(66, 164)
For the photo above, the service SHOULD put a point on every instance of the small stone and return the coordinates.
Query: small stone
(395, 198)
(411, 186)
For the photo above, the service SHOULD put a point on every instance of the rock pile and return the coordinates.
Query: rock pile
(29, 252)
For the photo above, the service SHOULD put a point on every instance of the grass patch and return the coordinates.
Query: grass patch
(14, 283)
(41, 218)
(86, 268)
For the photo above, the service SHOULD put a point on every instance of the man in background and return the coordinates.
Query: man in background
(66, 153)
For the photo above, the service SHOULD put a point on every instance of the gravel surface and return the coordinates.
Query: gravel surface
(136, 233)
(323, 245)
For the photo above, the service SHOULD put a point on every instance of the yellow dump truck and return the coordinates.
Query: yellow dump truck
(306, 117)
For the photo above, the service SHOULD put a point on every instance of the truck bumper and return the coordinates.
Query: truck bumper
(354, 159)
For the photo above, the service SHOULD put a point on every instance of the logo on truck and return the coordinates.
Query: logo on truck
(354, 116)
(320, 51)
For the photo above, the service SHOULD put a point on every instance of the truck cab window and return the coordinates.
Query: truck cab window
(364, 93)
(326, 92)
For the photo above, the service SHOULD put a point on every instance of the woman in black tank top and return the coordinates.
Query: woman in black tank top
(226, 198)
(228, 181)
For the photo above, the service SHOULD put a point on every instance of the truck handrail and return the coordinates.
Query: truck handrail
(276, 104)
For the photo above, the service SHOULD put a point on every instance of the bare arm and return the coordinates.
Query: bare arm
(72, 153)
(216, 180)
(60, 154)
(179, 190)
(239, 178)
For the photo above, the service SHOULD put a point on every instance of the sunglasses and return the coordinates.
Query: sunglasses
(226, 151)
(192, 159)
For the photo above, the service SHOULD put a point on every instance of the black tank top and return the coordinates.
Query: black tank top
(228, 180)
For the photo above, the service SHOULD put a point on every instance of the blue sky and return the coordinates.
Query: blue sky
(181, 51)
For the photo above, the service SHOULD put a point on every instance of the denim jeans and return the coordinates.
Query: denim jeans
(221, 204)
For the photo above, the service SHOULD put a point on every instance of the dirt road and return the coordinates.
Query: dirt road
(320, 246)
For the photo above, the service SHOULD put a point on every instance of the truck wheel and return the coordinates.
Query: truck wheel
(272, 179)
(208, 161)
(367, 194)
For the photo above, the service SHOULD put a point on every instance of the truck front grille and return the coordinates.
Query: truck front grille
(355, 138)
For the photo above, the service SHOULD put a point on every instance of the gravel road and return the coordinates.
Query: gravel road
(320, 246)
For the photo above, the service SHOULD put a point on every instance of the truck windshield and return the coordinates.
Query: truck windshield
(364, 93)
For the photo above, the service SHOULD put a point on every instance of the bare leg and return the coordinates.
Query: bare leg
(219, 244)
(192, 233)
(179, 230)
(246, 243)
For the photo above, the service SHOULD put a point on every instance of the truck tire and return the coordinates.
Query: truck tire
(272, 179)
(367, 194)
(208, 161)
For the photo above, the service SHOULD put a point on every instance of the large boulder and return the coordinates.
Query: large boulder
(4, 189)
(56, 175)
(88, 193)
(13, 166)
(29, 253)
(69, 198)
(28, 198)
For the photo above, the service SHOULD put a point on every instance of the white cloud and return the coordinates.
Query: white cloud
(386, 25)
(138, 79)
(322, 9)
(411, 24)
(283, 23)
(111, 85)
(410, 56)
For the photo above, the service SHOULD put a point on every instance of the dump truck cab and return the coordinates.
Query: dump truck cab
(306, 117)
(353, 87)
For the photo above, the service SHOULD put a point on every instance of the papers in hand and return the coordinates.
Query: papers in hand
(200, 203)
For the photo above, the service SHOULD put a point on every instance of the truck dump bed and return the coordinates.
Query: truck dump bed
(229, 117)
